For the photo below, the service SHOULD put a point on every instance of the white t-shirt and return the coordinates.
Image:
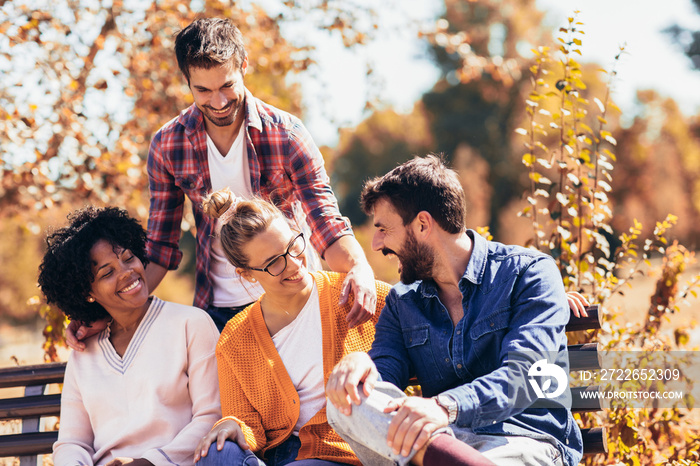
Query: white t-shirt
(231, 171)
(300, 346)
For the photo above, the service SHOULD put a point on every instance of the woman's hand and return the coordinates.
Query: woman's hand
(229, 429)
(577, 303)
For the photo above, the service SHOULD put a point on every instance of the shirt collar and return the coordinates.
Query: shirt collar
(475, 267)
(477, 261)
(252, 117)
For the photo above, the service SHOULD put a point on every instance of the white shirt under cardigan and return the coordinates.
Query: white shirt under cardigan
(156, 402)
(300, 347)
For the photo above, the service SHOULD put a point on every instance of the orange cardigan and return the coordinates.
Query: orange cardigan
(256, 390)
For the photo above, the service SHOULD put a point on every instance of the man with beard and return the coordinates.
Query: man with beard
(229, 138)
(468, 320)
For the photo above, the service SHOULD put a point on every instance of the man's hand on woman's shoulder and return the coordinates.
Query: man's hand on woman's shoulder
(77, 332)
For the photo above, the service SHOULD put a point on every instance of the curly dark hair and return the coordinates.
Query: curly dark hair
(65, 273)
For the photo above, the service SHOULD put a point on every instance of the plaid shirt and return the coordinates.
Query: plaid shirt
(286, 167)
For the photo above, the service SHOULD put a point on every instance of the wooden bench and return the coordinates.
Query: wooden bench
(36, 404)
(29, 409)
(586, 357)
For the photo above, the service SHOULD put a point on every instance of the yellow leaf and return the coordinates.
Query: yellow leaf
(529, 160)
(611, 140)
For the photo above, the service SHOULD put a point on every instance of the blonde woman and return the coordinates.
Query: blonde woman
(275, 357)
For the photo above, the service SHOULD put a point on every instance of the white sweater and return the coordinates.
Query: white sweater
(156, 402)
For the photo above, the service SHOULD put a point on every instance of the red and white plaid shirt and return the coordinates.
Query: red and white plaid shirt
(286, 167)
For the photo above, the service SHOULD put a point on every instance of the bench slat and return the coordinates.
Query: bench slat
(581, 404)
(35, 443)
(30, 406)
(595, 440)
(592, 322)
(584, 357)
(39, 374)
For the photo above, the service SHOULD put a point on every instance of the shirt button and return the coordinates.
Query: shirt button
(459, 332)
(410, 340)
(459, 366)
(447, 359)
(492, 324)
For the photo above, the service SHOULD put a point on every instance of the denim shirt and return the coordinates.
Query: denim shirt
(513, 301)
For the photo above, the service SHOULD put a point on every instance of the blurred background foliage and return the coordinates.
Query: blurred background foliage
(86, 83)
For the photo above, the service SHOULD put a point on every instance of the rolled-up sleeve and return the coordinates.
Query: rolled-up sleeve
(312, 186)
(165, 213)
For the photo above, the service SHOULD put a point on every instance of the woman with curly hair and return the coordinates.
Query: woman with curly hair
(275, 356)
(145, 389)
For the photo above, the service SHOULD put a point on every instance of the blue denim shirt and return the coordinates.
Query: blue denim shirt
(513, 301)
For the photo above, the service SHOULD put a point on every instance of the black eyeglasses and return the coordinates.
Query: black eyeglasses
(278, 264)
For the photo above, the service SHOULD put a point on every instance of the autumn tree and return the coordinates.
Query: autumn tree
(482, 49)
(87, 83)
(662, 169)
(378, 144)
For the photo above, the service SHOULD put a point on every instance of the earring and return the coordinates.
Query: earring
(91, 299)
(253, 280)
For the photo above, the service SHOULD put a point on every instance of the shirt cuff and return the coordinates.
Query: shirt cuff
(165, 256)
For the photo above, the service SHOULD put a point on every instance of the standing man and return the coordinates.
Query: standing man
(229, 138)
(468, 320)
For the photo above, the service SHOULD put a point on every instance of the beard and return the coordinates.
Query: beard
(225, 120)
(416, 260)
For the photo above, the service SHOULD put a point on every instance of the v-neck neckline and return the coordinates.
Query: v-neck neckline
(121, 363)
